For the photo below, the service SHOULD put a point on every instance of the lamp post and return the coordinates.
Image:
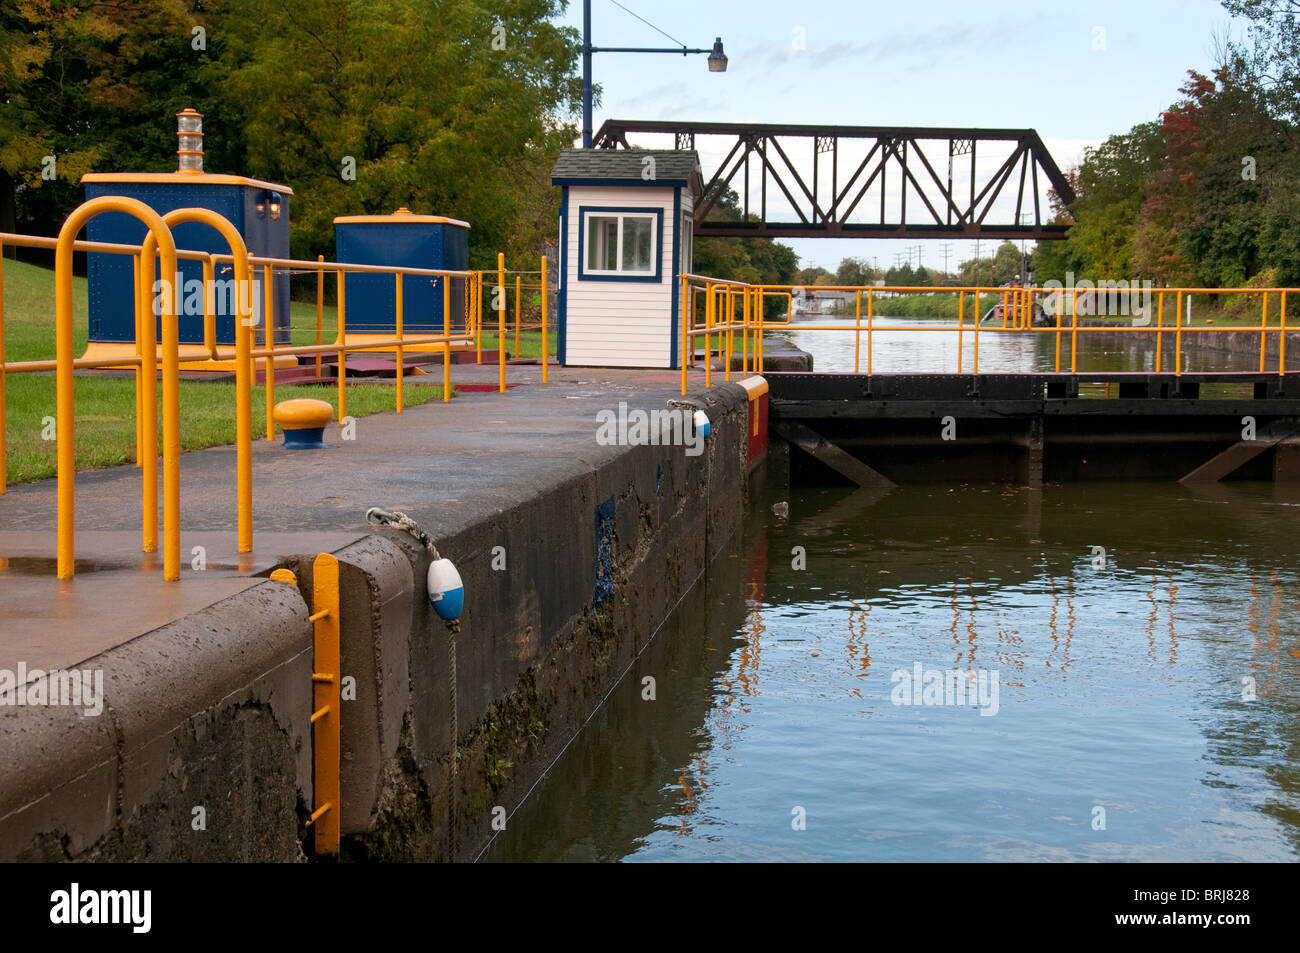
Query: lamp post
(717, 64)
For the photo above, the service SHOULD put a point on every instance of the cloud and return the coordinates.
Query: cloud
(913, 49)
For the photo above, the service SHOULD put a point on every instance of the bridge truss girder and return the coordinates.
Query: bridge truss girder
(939, 211)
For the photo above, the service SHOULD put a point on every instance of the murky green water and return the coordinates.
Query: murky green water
(1138, 647)
(1146, 708)
(1124, 691)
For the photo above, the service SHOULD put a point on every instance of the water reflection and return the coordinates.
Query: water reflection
(1161, 687)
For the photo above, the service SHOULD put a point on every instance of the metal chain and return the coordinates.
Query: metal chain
(398, 520)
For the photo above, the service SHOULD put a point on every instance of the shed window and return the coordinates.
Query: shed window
(620, 243)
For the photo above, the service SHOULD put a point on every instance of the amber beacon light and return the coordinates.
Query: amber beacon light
(189, 132)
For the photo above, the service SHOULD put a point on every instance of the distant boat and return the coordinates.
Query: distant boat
(1041, 319)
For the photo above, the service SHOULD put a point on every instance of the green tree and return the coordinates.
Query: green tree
(1112, 181)
(855, 271)
(900, 276)
(755, 260)
(1007, 263)
(79, 80)
(809, 276)
(439, 105)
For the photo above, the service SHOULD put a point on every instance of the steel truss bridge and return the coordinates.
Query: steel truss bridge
(943, 194)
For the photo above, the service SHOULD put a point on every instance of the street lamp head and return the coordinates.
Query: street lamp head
(717, 59)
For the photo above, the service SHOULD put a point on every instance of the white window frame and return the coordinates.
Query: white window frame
(650, 214)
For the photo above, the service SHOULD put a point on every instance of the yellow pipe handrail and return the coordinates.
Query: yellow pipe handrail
(501, 322)
(1018, 308)
(65, 422)
(243, 383)
(546, 341)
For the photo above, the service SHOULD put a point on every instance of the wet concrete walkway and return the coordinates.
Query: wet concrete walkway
(482, 451)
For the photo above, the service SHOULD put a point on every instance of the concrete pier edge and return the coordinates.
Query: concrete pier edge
(203, 751)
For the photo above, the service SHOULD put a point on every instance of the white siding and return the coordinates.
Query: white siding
(615, 323)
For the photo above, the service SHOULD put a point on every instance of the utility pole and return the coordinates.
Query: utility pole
(947, 249)
(717, 61)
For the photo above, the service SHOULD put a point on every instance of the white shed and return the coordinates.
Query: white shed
(626, 218)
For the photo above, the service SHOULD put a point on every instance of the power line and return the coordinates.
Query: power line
(648, 23)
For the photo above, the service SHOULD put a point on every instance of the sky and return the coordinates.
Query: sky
(1076, 72)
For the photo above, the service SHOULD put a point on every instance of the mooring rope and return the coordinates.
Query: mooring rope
(398, 520)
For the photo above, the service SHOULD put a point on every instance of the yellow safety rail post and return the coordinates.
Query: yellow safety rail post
(1074, 331)
(745, 297)
(1178, 337)
(871, 314)
(446, 332)
(857, 329)
(960, 328)
(243, 303)
(147, 400)
(686, 331)
(1281, 337)
(401, 362)
(65, 422)
(342, 343)
(546, 341)
(209, 319)
(501, 322)
(139, 304)
(722, 324)
(755, 303)
(1004, 309)
(517, 312)
(478, 317)
(1060, 313)
(731, 327)
(961, 318)
(708, 325)
(762, 314)
(320, 310)
(268, 348)
(1263, 330)
(4, 478)
(1160, 324)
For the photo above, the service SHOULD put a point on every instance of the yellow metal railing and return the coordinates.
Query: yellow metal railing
(517, 316)
(734, 308)
(150, 355)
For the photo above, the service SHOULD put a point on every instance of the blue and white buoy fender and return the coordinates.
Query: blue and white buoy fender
(702, 425)
(446, 591)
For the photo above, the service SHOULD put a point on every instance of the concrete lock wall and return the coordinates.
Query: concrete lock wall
(212, 711)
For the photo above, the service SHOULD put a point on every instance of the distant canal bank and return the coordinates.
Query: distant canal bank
(920, 349)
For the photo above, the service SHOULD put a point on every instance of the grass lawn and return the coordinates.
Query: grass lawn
(105, 406)
(530, 342)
